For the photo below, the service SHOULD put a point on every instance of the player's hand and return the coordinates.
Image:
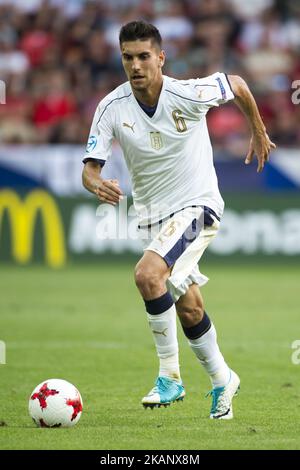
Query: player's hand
(109, 191)
(261, 146)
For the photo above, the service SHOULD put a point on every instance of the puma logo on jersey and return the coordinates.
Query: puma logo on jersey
(128, 125)
(163, 332)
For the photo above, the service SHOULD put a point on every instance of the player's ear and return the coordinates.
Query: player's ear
(162, 58)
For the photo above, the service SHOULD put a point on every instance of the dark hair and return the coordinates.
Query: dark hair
(139, 30)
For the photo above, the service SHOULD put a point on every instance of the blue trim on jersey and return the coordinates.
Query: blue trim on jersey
(199, 84)
(205, 84)
(91, 159)
(120, 98)
(189, 99)
(222, 88)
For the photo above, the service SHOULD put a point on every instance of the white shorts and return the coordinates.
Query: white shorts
(181, 240)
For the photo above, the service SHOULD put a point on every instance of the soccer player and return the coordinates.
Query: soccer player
(161, 126)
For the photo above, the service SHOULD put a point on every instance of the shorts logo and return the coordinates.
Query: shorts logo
(169, 230)
(92, 142)
(156, 140)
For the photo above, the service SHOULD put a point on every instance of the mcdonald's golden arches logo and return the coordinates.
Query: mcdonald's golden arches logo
(22, 216)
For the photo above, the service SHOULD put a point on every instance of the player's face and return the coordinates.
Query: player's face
(142, 62)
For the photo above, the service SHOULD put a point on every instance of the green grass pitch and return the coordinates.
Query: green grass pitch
(86, 324)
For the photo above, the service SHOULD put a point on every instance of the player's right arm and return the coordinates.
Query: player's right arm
(106, 190)
(98, 151)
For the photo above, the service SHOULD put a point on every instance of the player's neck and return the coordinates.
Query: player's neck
(150, 96)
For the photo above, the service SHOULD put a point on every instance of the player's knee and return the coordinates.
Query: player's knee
(147, 280)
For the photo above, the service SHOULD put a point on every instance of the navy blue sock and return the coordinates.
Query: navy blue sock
(159, 305)
(196, 331)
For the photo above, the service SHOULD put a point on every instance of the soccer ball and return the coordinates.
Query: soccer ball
(55, 403)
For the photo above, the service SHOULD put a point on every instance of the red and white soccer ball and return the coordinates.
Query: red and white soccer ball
(55, 403)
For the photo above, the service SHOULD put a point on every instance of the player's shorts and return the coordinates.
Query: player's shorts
(181, 240)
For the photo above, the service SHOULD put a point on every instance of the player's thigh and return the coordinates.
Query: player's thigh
(163, 243)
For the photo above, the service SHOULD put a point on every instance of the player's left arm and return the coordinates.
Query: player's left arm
(260, 143)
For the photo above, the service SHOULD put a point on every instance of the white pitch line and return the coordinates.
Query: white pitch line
(65, 345)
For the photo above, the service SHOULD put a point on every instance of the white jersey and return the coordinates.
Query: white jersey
(169, 155)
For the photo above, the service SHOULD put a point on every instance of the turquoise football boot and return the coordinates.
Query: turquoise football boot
(165, 392)
(221, 407)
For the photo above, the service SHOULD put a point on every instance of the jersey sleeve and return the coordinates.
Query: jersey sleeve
(212, 91)
(100, 138)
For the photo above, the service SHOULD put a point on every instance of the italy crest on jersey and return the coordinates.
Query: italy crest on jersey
(156, 140)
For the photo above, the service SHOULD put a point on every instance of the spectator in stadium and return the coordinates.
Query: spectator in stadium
(257, 41)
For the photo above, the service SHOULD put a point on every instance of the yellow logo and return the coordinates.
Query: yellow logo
(163, 332)
(169, 230)
(156, 140)
(22, 217)
(128, 125)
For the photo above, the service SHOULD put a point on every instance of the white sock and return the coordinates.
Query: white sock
(207, 351)
(164, 329)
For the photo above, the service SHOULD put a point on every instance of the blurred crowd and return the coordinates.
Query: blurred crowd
(59, 58)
